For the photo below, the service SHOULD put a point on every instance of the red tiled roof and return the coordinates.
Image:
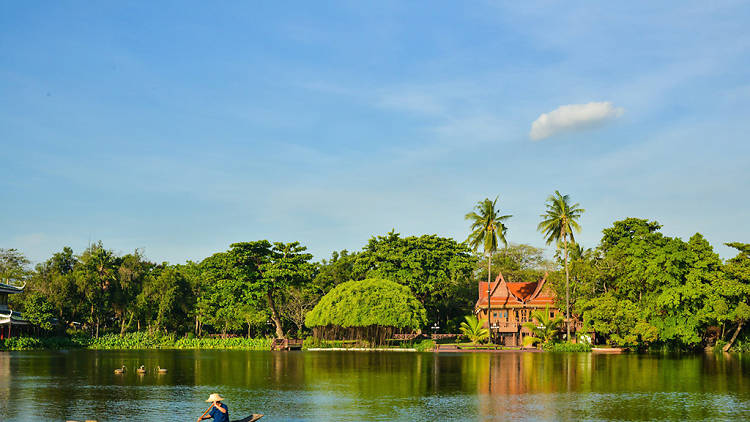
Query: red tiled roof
(515, 294)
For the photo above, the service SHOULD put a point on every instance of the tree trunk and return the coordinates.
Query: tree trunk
(734, 337)
(274, 315)
(489, 301)
(567, 289)
(125, 327)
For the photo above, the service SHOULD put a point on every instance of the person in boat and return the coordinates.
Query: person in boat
(218, 410)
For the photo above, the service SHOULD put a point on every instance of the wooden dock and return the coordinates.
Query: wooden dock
(286, 344)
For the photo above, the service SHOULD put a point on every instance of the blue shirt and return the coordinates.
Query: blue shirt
(217, 415)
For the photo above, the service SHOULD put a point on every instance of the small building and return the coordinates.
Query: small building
(512, 305)
(11, 323)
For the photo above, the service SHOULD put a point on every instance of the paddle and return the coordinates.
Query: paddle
(204, 413)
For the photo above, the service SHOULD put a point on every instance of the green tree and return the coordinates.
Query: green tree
(438, 271)
(271, 270)
(13, 266)
(95, 275)
(55, 279)
(619, 320)
(473, 329)
(225, 288)
(517, 263)
(371, 310)
(38, 311)
(168, 297)
(543, 327)
(737, 289)
(488, 231)
(132, 272)
(334, 271)
(558, 224)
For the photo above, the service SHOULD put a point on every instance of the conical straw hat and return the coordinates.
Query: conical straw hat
(214, 397)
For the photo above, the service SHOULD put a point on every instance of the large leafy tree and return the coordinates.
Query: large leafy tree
(13, 266)
(168, 299)
(737, 289)
(558, 224)
(38, 311)
(517, 263)
(334, 271)
(370, 310)
(95, 275)
(436, 269)
(271, 269)
(224, 291)
(132, 271)
(55, 279)
(487, 232)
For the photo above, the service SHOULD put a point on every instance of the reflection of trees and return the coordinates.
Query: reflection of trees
(366, 386)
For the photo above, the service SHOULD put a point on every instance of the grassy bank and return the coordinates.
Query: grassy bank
(133, 341)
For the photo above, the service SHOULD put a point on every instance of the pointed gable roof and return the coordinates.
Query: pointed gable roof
(503, 293)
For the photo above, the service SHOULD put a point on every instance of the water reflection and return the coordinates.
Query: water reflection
(341, 386)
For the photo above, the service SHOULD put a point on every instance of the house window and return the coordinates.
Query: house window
(494, 315)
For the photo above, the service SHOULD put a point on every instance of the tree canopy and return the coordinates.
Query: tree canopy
(369, 302)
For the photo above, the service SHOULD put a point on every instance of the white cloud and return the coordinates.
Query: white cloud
(573, 117)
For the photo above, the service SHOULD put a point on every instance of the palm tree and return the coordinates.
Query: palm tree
(545, 328)
(488, 230)
(557, 225)
(474, 329)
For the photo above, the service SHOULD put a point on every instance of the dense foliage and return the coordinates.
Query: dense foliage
(638, 288)
(371, 309)
(437, 270)
(642, 289)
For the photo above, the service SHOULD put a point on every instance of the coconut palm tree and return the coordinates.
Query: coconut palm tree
(557, 225)
(473, 328)
(545, 328)
(487, 230)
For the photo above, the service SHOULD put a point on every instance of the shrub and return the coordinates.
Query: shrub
(424, 346)
(371, 310)
(567, 347)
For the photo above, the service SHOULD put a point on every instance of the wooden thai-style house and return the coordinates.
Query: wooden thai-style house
(11, 323)
(512, 305)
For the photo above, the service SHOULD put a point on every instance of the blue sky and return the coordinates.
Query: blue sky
(182, 127)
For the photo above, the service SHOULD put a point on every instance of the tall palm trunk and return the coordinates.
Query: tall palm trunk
(489, 302)
(567, 288)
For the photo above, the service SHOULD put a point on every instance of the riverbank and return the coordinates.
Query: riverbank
(145, 341)
(134, 341)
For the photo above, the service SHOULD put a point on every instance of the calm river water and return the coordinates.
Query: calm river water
(377, 386)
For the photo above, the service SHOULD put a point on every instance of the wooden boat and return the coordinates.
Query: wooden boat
(610, 350)
(252, 418)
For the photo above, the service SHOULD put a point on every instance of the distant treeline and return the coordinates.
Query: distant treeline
(637, 288)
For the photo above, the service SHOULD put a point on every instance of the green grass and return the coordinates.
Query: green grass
(134, 341)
